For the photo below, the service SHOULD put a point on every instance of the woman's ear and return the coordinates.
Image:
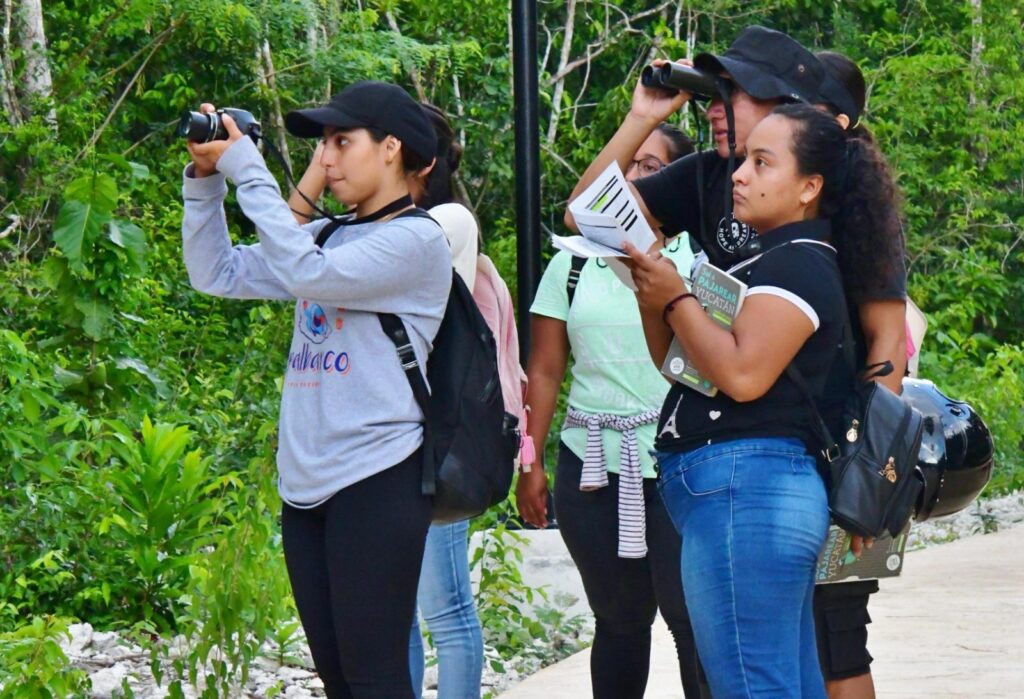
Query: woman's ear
(844, 121)
(427, 170)
(812, 189)
(392, 149)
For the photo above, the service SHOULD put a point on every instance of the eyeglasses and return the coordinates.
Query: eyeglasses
(645, 166)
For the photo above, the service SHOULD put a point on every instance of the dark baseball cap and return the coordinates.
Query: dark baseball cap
(767, 64)
(369, 104)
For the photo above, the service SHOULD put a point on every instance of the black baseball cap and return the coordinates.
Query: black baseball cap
(767, 64)
(369, 104)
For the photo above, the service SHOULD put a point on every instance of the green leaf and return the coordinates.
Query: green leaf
(97, 316)
(77, 224)
(130, 237)
(99, 190)
(67, 378)
(139, 171)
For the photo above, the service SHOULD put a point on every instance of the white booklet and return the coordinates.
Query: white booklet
(607, 214)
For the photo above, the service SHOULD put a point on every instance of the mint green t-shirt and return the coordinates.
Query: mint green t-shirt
(612, 371)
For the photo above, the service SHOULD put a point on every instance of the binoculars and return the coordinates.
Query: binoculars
(673, 77)
(203, 127)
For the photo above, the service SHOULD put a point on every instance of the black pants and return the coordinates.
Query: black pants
(624, 593)
(354, 564)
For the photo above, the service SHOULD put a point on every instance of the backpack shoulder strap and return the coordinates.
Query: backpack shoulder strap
(394, 328)
(574, 276)
(327, 231)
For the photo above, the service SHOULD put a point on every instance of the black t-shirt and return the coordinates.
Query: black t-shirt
(671, 195)
(805, 273)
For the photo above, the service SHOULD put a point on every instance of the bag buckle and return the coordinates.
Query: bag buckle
(832, 453)
(407, 356)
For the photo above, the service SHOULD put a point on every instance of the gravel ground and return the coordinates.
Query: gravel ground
(111, 660)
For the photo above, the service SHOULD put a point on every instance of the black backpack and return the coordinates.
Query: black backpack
(469, 442)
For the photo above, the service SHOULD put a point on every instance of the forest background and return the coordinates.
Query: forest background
(137, 417)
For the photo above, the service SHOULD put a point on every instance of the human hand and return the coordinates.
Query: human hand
(657, 105)
(206, 155)
(656, 277)
(859, 543)
(532, 496)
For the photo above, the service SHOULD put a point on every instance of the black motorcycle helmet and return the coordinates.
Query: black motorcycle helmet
(956, 450)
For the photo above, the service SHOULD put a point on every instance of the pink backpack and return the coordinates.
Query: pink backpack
(495, 302)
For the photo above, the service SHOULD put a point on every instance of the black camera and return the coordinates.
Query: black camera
(673, 77)
(203, 127)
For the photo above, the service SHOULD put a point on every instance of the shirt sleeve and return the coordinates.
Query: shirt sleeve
(804, 275)
(671, 195)
(215, 266)
(378, 273)
(552, 299)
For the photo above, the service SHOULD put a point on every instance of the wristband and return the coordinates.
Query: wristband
(672, 304)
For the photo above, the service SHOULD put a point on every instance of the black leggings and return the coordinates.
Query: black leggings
(625, 594)
(354, 563)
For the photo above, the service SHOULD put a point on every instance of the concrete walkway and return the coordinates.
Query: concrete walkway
(951, 626)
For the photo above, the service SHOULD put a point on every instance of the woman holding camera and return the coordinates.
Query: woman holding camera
(445, 594)
(354, 520)
(609, 513)
(737, 470)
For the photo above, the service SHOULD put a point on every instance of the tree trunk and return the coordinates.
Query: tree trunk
(38, 80)
(270, 81)
(978, 146)
(8, 93)
(563, 61)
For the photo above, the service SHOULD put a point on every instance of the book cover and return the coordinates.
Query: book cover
(722, 297)
(836, 563)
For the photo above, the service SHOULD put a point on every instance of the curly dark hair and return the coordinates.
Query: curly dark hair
(867, 264)
(858, 195)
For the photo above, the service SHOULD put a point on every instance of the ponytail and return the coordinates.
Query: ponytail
(858, 195)
(440, 181)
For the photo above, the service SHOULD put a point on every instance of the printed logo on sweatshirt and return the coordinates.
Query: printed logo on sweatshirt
(307, 359)
(313, 324)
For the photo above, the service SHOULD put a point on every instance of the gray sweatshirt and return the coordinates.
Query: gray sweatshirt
(347, 411)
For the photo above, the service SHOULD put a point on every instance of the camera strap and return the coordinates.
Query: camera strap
(403, 202)
(291, 180)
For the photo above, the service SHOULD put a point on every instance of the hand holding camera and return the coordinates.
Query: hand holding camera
(211, 131)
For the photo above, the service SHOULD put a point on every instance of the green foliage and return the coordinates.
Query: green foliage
(32, 664)
(170, 526)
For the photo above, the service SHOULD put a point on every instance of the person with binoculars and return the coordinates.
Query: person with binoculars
(761, 70)
(354, 518)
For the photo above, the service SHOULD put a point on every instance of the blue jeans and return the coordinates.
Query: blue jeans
(753, 516)
(445, 599)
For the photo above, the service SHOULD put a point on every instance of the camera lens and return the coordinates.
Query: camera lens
(198, 127)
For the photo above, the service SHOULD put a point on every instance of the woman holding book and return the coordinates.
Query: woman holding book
(609, 514)
(737, 471)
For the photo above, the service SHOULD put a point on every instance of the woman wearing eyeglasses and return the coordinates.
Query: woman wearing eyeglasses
(609, 513)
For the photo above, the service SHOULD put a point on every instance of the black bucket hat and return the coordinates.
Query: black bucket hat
(767, 64)
(370, 104)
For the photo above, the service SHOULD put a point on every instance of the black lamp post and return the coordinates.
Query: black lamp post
(527, 135)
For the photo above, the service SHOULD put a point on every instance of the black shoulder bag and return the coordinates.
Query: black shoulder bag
(872, 477)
